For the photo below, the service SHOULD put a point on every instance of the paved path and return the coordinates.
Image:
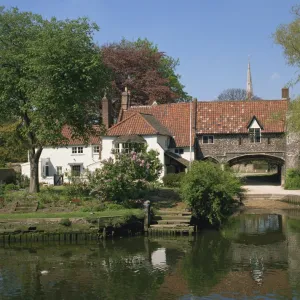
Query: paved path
(269, 189)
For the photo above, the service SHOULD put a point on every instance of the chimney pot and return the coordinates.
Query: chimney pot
(285, 93)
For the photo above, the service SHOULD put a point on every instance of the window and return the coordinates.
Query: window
(77, 150)
(59, 170)
(254, 134)
(128, 147)
(76, 170)
(269, 141)
(46, 170)
(96, 149)
(240, 141)
(208, 139)
(179, 151)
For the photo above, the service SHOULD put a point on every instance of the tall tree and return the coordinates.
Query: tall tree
(149, 74)
(288, 36)
(234, 95)
(51, 73)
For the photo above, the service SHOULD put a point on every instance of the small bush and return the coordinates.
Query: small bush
(65, 222)
(10, 187)
(292, 181)
(22, 181)
(173, 180)
(210, 191)
(77, 189)
(1, 190)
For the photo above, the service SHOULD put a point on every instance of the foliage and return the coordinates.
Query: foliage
(173, 180)
(65, 222)
(78, 189)
(235, 95)
(292, 180)
(2, 190)
(148, 73)
(51, 74)
(126, 176)
(22, 180)
(11, 148)
(288, 36)
(210, 191)
(11, 187)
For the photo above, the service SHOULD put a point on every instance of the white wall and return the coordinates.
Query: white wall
(63, 157)
(107, 146)
(254, 124)
(186, 153)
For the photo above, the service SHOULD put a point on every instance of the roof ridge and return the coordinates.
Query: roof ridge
(119, 123)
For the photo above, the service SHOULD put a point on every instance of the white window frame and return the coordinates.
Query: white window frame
(96, 149)
(77, 150)
(253, 135)
(59, 170)
(208, 138)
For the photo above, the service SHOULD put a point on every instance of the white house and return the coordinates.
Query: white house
(74, 158)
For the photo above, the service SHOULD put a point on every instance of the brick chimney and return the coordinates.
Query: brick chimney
(125, 102)
(106, 112)
(285, 93)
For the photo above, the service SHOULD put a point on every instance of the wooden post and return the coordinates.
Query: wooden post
(147, 216)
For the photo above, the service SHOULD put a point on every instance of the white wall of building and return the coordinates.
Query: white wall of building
(64, 158)
(186, 152)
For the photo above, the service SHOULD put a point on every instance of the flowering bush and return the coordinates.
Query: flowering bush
(126, 176)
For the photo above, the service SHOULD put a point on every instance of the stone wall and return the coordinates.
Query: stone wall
(227, 146)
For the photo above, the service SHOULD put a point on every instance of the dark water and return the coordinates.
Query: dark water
(254, 257)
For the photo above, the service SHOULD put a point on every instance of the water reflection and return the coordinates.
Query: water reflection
(254, 257)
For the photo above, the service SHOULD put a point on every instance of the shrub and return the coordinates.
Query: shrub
(77, 189)
(22, 181)
(173, 180)
(10, 187)
(292, 181)
(65, 222)
(210, 191)
(125, 177)
(1, 190)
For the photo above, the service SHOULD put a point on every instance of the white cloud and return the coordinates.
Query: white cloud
(275, 76)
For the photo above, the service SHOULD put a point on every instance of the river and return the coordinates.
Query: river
(255, 256)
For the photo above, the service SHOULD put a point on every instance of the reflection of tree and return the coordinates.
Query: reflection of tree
(207, 263)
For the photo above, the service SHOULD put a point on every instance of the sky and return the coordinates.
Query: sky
(212, 38)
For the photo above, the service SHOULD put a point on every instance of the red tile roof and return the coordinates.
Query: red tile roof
(213, 117)
(138, 123)
(67, 133)
(174, 117)
(234, 116)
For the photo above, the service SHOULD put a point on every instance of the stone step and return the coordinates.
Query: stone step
(173, 217)
(176, 222)
(177, 226)
(173, 213)
(25, 209)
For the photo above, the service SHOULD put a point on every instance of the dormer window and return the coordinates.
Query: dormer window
(254, 129)
(255, 135)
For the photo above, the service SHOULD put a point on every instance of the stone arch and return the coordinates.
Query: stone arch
(211, 159)
(248, 158)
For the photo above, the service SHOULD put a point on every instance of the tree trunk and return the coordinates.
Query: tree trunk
(34, 157)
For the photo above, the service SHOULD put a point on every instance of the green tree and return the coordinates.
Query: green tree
(51, 73)
(235, 95)
(288, 36)
(210, 191)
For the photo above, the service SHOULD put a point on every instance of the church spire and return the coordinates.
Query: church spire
(249, 83)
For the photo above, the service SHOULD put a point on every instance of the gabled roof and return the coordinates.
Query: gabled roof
(138, 124)
(173, 116)
(233, 116)
(254, 119)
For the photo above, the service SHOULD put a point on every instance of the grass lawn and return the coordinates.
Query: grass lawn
(76, 214)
